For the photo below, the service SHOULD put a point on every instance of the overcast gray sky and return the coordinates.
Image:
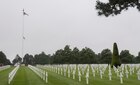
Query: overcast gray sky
(52, 24)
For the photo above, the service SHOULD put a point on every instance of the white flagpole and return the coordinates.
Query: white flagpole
(23, 38)
(22, 34)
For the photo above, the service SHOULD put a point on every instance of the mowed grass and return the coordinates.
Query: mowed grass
(4, 76)
(25, 76)
(57, 79)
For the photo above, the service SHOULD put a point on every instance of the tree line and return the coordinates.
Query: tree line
(72, 56)
(76, 56)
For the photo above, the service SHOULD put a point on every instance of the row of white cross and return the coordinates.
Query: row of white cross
(12, 74)
(125, 70)
(4, 67)
(41, 73)
(67, 70)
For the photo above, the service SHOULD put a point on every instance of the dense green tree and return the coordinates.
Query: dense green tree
(98, 57)
(14, 61)
(57, 57)
(28, 59)
(42, 59)
(87, 56)
(105, 56)
(3, 59)
(115, 57)
(115, 7)
(75, 56)
(126, 57)
(17, 59)
(63, 56)
(8, 62)
(67, 54)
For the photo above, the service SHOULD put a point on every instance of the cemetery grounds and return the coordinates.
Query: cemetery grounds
(95, 74)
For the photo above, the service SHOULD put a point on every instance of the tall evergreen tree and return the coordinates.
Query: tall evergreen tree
(115, 57)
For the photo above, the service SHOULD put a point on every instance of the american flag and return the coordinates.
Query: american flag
(23, 37)
(24, 13)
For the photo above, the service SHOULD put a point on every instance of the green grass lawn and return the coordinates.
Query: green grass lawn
(4, 76)
(57, 79)
(25, 76)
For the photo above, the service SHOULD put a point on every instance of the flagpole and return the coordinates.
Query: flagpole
(23, 38)
(22, 34)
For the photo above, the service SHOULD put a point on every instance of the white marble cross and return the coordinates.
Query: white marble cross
(46, 77)
(73, 74)
(79, 74)
(138, 74)
(58, 70)
(121, 78)
(101, 74)
(110, 75)
(68, 73)
(126, 72)
(130, 70)
(83, 71)
(93, 71)
(87, 77)
(64, 72)
(88, 69)
(61, 71)
(117, 71)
